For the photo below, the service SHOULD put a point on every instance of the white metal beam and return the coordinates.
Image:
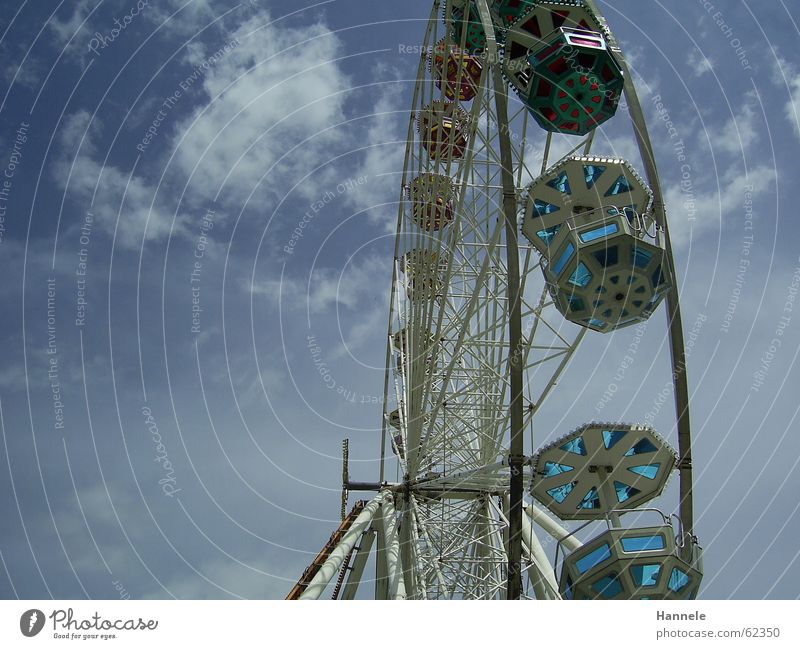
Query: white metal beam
(394, 568)
(356, 572)
(334, 562)
(555, 530)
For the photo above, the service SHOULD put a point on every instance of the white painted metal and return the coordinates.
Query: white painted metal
(544, 577)
(541, 518)
(540, 570)
(334, 562)
(359, 563)
(394, 568)
(381, 579)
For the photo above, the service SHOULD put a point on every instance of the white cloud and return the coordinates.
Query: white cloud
(20, 67)
(329, 287)
(117, 199)
(699, 62)
(694, 211)
(190, 17)
(252, 578)
(792, 108)
(67, 27)
(276, 99)
(28, 76)
(383, 150)
(272, 105)
(84, 20)
(739, 133)
(348, 287)
(723, 158)
(786, 76)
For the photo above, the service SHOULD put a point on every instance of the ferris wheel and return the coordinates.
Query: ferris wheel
(483, 322)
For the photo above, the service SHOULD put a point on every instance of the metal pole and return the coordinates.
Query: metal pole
(333, 563)
(418, 519)
(516, 456)
(608, 495)
(420, 578)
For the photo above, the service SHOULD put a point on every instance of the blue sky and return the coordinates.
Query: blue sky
(164, 166)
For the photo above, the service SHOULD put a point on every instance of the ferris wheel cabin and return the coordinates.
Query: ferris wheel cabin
(637, 563)
(603, 253)
(431, 197)
(602, 472)
(443, 129)
(460, 75)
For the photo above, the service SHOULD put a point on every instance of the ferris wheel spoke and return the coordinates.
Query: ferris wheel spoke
(461, 559)
(484, 573)
(473, 302)
(426, 548)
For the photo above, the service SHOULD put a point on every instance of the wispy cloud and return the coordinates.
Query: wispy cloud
(382, 150)
(786, 77)
(273, 105)
(792, 107)
(327, 288)
(699, 63)
(119, 200)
